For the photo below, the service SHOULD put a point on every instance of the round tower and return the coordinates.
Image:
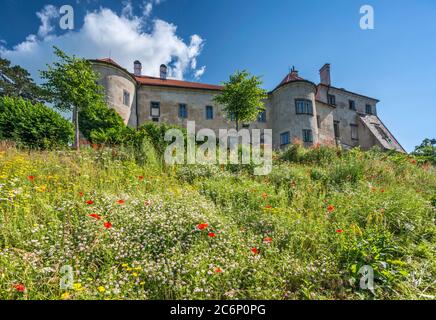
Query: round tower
(294, 111)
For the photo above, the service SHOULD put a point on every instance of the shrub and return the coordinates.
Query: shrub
(33, 125)
(102, 125)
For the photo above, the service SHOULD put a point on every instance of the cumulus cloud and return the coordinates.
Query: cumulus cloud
(46, 16)
(106, 33)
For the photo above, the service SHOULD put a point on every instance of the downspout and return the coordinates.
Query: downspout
(136, 109)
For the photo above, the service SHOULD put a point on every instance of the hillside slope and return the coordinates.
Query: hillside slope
(209, 232)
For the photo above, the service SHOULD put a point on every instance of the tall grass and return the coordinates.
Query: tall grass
(131, 228)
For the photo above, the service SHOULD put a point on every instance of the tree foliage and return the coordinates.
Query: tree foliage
(16, 82)
(71, 84)
(33, 125)
(242, 97)
(102, 125)
(427, 150)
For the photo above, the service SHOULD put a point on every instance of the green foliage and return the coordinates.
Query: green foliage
(16, 82)
(71, 82)
(242, 97)
(102, 125)
(156, 134)
(426, 151)
(188, 232)
(33, 125)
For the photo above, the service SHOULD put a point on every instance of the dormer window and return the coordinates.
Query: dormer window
(368, 109)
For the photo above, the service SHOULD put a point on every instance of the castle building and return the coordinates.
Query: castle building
(297, 109)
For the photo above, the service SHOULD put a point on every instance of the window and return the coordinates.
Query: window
(368, 109)
(331, 99)
(336, 128)
(126, 98)
(155, 119)
(209, 112)
(285, 138)
(262, 116)
(232, 117)
(307, 135)
(155, 109)
(183, 111)
(354, 132)
(303, 106)
(318, 121)
(352, 105)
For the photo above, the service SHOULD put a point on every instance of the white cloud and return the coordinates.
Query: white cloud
(104, 33)
(198, 73)
(46, 16)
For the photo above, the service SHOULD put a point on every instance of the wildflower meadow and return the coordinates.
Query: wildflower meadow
(147, 231)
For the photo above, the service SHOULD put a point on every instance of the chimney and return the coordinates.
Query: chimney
(324, 74)
(137, 67)
(163, 71)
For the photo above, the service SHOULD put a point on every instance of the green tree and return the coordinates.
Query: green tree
(16, 82)
(102, 125)
(242, 97)
(427, 150)
(71, 85)
(33, 125)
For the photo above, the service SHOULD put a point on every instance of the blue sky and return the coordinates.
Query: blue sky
(395, 62)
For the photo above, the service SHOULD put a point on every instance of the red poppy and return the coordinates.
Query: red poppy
(20, 287)
(121, 201)
(95, 216)
(31, 178)
(218, 270)
(264, 195)
(267, 240)
(81, 194)
(331, 208)
(254, 250)
(90, 202)
(202, 226)
(141, 178)
(382, 190)
(339, 231)
(108, 225)
(147, 202)
(268, 207)
(413, 161)
(211, 234)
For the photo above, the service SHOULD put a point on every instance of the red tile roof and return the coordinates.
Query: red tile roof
(290, 77)
(109, 60)
(153, 81)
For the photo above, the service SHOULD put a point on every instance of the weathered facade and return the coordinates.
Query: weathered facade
(297, 109)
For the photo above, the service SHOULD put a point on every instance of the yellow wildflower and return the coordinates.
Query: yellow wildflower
(101, 289)
(65, 296)
(77, 286)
